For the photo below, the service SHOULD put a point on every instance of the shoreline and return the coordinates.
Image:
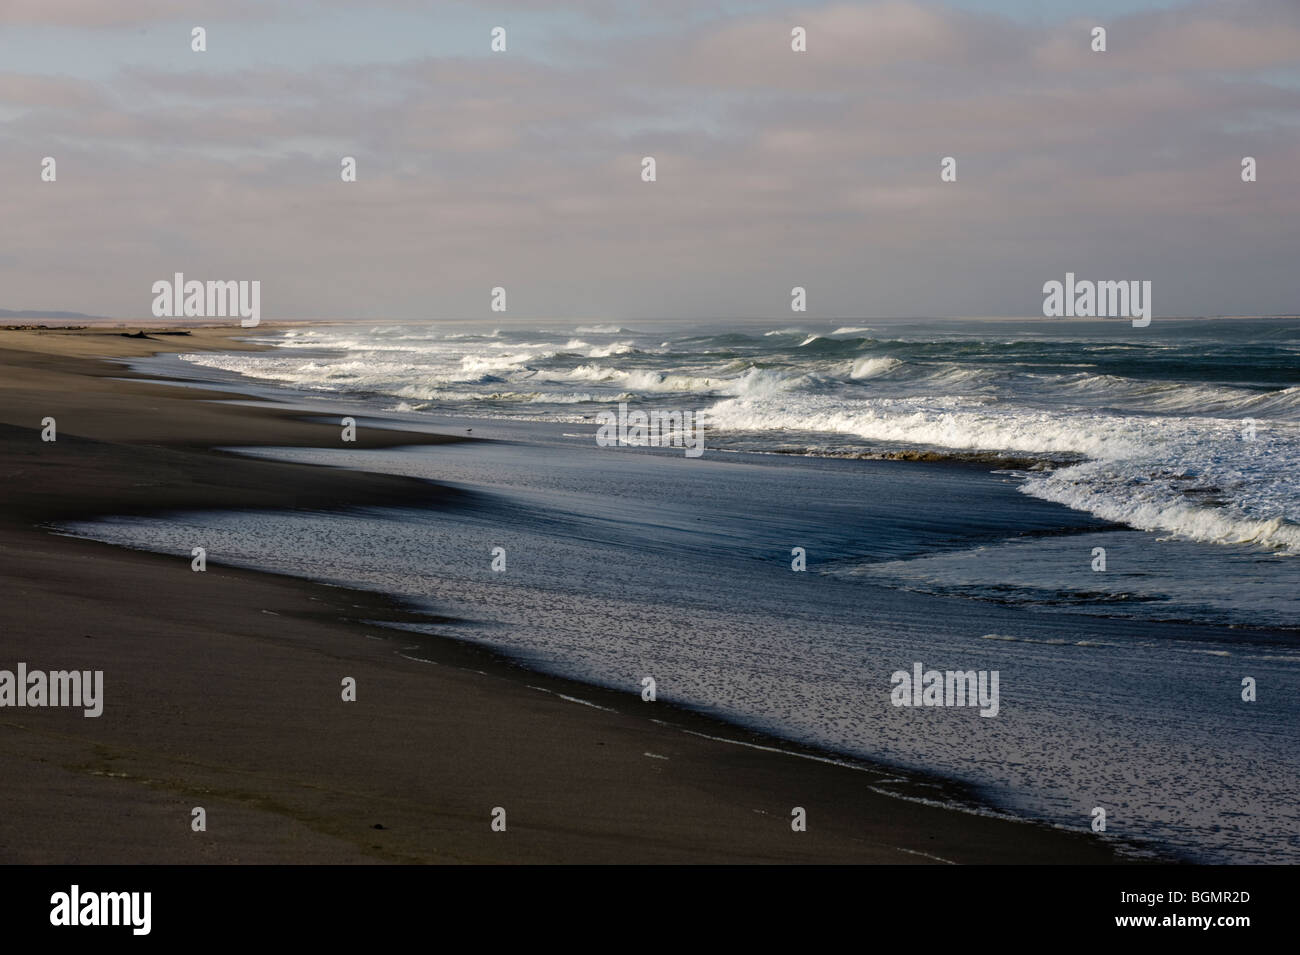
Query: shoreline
(595, 783)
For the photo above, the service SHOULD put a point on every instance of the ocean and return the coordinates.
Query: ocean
(1106, 516)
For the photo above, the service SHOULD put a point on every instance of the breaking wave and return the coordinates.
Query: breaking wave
(1195, 434)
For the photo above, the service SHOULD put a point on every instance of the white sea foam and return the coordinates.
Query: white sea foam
(1127, 493)
(870, 367)
(606, 351)
(1129, 479)
(961, 395)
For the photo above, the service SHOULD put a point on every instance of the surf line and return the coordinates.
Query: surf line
(655, 429)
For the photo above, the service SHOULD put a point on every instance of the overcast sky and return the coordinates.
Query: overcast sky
(523, 169)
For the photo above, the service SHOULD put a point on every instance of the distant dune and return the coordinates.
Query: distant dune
(6, 313)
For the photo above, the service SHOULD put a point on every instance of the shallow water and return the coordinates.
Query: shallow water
(625, 563)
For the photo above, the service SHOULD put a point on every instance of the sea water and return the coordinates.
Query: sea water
(1025, 448)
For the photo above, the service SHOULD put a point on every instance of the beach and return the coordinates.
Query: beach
(223, 688)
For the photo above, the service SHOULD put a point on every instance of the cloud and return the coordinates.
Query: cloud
(125, 13)
(845, 42)
(1223, 36)
(775, 168)
(47, 92)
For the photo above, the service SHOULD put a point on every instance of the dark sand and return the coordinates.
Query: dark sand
(223, 688)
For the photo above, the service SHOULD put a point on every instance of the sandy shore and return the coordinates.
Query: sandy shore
(223, 688)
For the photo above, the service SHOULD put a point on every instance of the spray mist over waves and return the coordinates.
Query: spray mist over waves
(1192, 431)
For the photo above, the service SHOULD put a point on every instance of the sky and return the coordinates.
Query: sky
(522, 169)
